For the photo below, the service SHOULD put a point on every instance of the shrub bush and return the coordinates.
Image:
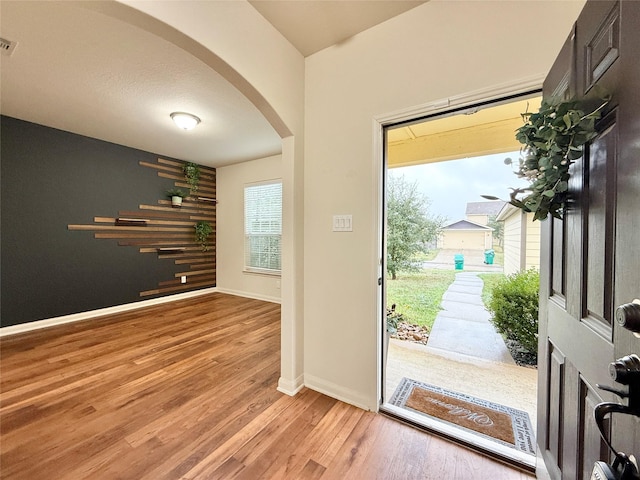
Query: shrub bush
(514, 308)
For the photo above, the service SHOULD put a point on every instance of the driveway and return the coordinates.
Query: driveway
(473, 261)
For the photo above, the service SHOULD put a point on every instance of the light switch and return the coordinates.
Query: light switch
(342, 223)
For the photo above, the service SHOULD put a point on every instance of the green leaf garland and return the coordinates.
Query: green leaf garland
(553, 139)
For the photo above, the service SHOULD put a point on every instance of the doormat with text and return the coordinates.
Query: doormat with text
(506, 425)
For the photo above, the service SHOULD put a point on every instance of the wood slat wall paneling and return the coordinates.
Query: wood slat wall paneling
(203, 185)
(135, 227)
(169, 208)
(168, 231)
(49, 270)
(192, 261)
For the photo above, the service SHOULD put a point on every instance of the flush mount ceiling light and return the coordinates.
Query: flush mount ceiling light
(186, 121)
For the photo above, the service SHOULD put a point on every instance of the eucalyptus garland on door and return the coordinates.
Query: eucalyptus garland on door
(553, 140)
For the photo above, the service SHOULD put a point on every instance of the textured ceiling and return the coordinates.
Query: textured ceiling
(85, 72)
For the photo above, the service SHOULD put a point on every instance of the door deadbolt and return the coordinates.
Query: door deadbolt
(628, 316)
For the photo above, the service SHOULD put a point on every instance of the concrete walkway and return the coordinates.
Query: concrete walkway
(464, 354)
(463, 325)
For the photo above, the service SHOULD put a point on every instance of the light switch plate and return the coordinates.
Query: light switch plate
(342, 223)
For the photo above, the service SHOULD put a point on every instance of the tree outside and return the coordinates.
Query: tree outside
(498, 228)
(410, 227)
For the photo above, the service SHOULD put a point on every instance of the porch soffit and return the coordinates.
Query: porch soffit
(484, 132)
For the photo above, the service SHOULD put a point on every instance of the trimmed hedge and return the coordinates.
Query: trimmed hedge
(514, 308)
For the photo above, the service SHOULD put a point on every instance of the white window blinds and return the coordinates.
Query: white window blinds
(262, 226)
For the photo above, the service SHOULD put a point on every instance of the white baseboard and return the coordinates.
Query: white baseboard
(340, 393)
(255, 296)
(77, 317)
(290, 387)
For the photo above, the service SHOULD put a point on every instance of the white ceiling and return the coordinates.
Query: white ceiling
(84, 72)
(312, 25)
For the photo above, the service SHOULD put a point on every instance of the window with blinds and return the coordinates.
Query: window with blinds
(262, 227)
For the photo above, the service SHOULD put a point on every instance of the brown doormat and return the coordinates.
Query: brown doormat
(505, 425)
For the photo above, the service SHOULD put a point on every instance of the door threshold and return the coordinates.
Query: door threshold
(494, 450)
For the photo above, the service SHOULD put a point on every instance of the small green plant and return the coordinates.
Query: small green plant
(514, 308)
(553, 139)
(176, 192)
(192, 175)
(203, 230)
(393, 318)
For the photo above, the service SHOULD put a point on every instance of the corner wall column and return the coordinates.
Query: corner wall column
(292, 325)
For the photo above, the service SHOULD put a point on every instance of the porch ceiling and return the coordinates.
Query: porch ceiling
(487, 131)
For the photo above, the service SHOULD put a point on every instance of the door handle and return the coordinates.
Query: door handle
(628, 316)
(626, 371)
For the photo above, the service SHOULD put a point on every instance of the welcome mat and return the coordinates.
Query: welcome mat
(505, 425)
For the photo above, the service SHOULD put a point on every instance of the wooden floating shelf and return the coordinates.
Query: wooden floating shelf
(170, 250)
(131, 222)
(207, 199)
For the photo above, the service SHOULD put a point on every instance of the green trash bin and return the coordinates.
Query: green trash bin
(488, 257)
(458, 260)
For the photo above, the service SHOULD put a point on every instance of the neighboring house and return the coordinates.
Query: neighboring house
(466, 235)
(521, 240)
(479, 212)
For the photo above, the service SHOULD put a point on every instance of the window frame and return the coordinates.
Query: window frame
(246, 235)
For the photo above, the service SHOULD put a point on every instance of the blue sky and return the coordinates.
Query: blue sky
(450, 185)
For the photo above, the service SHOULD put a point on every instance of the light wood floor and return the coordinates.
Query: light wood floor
(188, 391)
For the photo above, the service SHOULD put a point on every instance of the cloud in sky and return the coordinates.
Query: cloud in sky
(451, 185)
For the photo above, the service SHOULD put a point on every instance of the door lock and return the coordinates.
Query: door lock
(625, 371)
(628, 316)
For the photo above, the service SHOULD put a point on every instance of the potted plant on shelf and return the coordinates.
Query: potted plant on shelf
(203, 230)
(192, 175)
(176, 195)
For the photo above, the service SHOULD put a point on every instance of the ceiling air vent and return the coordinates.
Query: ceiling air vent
(7, 46)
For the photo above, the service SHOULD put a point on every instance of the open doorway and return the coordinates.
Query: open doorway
(448, 370)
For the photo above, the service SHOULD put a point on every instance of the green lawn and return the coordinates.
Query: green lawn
(417, 295)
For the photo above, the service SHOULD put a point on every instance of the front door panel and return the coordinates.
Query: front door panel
(591, 257)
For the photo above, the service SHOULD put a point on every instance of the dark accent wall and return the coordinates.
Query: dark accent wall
(49, 180)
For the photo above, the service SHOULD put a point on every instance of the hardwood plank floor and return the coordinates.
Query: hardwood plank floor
(187, 390)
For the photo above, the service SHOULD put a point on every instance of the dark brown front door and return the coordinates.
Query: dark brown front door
(591, 259)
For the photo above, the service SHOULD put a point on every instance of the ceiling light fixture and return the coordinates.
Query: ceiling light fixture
(186, 121)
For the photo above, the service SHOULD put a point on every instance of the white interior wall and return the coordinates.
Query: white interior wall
(437, 50)
(250, 53)
(230, 182)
